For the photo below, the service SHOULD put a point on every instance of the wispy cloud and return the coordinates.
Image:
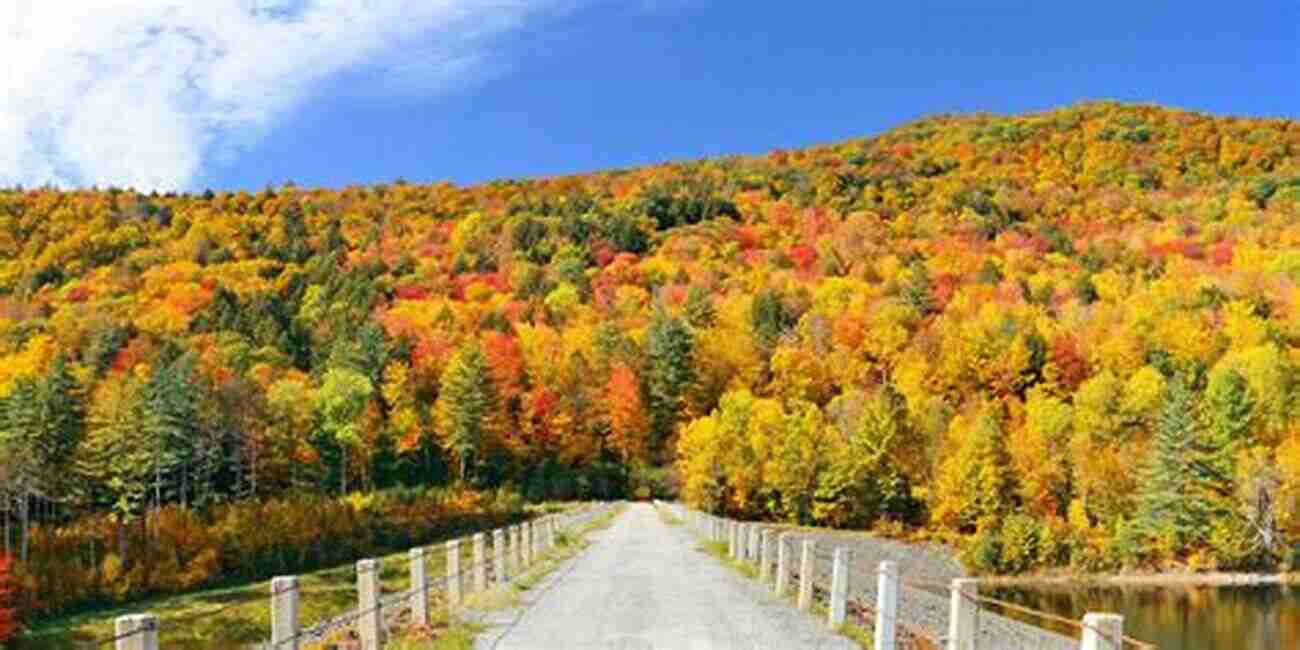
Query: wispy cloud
(141, 93)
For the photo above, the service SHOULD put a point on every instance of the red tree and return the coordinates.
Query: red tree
(8, 598)
(628, 423)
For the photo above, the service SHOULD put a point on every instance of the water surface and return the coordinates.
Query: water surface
(1182, 618)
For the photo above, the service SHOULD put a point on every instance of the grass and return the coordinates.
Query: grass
(444, 633)
(234, 616)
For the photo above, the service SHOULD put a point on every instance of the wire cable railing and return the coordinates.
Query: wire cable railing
(850, 579)
(390, 607)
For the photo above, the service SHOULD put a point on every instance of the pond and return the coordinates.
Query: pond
(1179, 617)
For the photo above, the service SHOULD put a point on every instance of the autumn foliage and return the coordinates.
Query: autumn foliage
(970, 327)
(8, 599)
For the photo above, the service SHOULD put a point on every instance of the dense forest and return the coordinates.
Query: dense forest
(1066, 338)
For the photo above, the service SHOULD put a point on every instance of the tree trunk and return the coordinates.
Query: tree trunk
(26, 510)
(343, 472)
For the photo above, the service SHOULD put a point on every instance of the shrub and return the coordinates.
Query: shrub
(100, 560)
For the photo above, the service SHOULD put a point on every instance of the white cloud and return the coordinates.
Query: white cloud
(140, 93)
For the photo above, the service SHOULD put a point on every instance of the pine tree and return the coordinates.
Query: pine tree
(1172, 500)
(1229, 415)
(20, 445)
(183, 462)
(769, 319)
(465, 405)
(117, 456)
(64, 413)
(699, 308)
(671, 348)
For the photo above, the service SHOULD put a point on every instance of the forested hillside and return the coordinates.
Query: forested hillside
(1067, 337)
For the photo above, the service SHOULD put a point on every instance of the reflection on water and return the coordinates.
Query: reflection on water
(1182, 618)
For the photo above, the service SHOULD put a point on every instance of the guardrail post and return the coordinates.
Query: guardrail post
(886, 605)
(499, 554)
(284, 612)
(731, 538)
(764, 557)
(516, 544)
(453, 573)
(962, 615)
(370, 624)
(420, 585)
(839, 588)
(782, 564)
(480, 562)
(1103, 631)
(806, 573)
(136, 632)
(528, 543)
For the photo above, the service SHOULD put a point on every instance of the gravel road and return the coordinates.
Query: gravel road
(645, 585)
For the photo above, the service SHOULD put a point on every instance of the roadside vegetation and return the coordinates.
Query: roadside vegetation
(239, 614)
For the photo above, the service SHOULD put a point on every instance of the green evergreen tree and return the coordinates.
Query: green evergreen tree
(185, 462)
(465, 404)
(769, 318)
(672, 372)
(699, 308)
(117, 456)
(1229, 416)
(1172, 501)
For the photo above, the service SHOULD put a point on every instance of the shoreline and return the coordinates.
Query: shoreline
(1215, 579)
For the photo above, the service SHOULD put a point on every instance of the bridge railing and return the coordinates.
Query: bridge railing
(907, 600)
(474, 564)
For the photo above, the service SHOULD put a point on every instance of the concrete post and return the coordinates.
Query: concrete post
(370, 624)
(137, 632)
(782, 564)
(516, 550)
(806, 573)
(962, 615)
(284, 612)
(886, 605)
(731, 539)
(528, 543)
(420, 585)
(499, 555)
(754, 534)
(764, 557)
(480, 562)
(839, 588)
(454, 579)
(1103, 631)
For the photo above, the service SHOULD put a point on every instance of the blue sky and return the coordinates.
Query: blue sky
(555, 87)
